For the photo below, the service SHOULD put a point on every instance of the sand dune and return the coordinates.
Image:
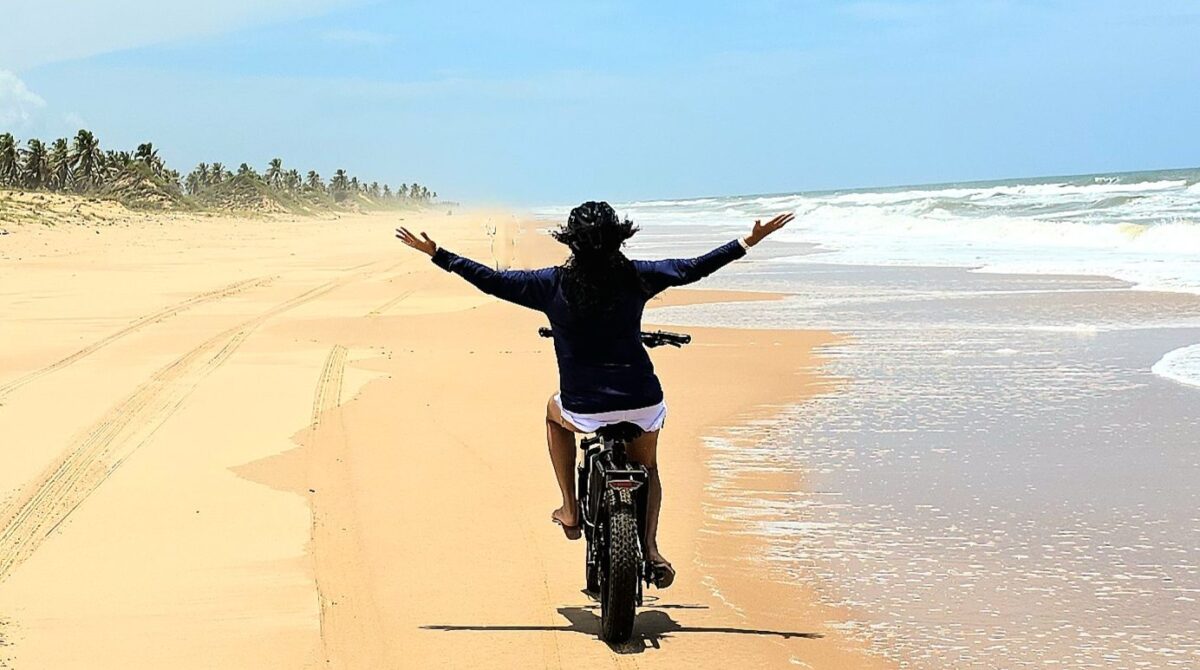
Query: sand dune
(293, 443)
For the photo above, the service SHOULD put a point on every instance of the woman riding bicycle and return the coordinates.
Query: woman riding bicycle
(594, 302)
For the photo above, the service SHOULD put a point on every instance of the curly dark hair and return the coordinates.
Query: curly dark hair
(597, 274)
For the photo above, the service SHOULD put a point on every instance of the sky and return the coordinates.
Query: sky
(535, 103)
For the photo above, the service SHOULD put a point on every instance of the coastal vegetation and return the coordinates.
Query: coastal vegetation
(141, 179)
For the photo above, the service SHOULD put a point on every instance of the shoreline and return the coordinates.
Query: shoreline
(943, 476)
(354, 330)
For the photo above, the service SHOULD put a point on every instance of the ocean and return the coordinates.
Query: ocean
(1005, 473)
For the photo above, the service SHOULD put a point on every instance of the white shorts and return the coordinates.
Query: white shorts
(648, 419)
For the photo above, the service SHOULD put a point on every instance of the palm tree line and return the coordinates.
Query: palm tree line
(81, 166)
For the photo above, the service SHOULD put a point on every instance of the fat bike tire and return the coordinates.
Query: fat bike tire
(618, 599)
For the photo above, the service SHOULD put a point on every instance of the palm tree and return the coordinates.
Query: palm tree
(115, 163)
(35, 165)
(202, 174)
(313, 181)
(338, 185)
(339, 182)
(198, 179)
(274, 175)
(218, 174)
(193, 181)
(114, 159)
(292, 181)
(244, 170)
(87, 161)
(60, 165)
(403, 191)
(9, 165)
(147, 154)
(387, 191)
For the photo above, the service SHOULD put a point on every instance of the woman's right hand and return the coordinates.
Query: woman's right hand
(424, 244)
(761, 229)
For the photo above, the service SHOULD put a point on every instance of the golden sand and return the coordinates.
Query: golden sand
(279, 443)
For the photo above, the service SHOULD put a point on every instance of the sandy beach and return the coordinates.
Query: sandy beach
(293, 443)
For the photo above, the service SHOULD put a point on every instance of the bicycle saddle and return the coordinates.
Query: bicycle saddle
(621, 432)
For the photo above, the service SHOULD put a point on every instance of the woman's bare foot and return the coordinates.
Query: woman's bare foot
(569, 520)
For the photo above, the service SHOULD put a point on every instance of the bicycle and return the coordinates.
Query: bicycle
(611, 491)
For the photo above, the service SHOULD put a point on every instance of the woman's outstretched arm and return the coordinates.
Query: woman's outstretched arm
(532, 289)
(660, 275)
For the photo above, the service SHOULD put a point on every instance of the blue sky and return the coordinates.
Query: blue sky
(555, 102)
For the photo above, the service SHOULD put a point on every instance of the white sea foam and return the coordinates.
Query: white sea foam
(1144, 229)
(1028, 191)
(1181, 365)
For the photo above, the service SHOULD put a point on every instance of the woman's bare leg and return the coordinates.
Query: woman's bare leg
(644, 450)
(561, 442)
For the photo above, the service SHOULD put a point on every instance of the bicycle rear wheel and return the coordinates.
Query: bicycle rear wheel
(618, 597)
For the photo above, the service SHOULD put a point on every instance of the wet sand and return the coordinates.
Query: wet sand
(271, 443)
(1001, 479)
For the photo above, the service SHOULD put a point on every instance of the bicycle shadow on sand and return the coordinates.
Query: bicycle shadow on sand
(650, 627)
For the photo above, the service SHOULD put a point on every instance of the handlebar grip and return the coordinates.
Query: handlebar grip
(545, 332)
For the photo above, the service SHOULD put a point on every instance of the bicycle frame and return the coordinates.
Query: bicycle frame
(606, 466)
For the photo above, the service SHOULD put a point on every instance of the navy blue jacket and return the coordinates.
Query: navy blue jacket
(602, 365)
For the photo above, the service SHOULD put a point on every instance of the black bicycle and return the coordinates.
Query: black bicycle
(612, 503)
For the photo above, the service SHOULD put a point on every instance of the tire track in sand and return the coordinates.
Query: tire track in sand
(348, 622)
(44, 503)
(329, 387)
(392, 302)
(154, 317)
(378, 311)
(352, 630)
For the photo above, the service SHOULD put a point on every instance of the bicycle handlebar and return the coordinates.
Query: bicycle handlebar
(651, 339)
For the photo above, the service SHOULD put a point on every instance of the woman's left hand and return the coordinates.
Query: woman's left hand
(424, 244)
(761, 229)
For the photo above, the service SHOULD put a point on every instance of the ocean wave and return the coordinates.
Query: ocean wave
(1027, 191)
(1154, 257)
(1141, 228)
(873, 227)
(1181, 365)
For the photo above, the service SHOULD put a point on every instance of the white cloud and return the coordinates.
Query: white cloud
(18, 104)
(356, 37)
(82, 29)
